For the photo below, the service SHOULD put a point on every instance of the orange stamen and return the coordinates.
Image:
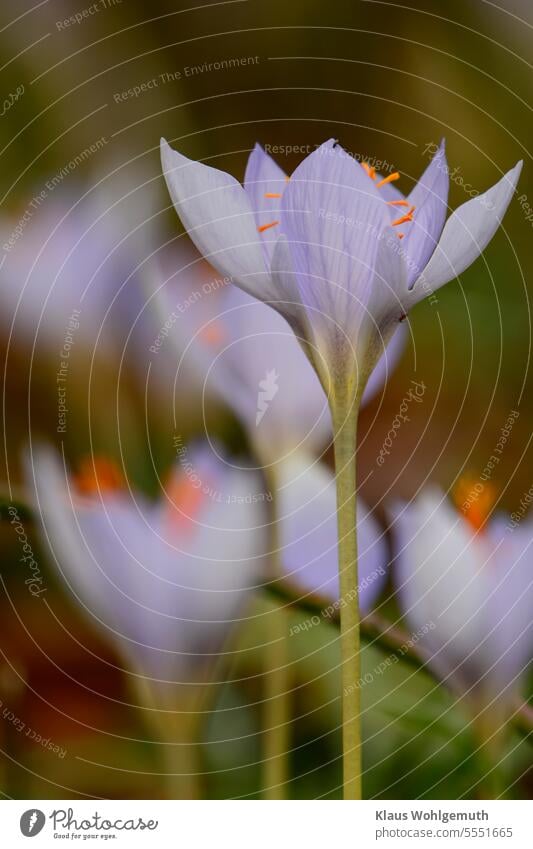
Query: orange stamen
(400, 235)
(396, 203)
(98, 474)
(264, 227)
(475, 500)
(212, 333)
(390, 179)
(186, 499)
(273, 195)
(370, 170)
(407, 217)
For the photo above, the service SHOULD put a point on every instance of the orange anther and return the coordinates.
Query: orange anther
(264, 227)
(186, 499)
(407, 217)
(396, 203)
(212, 333)
(272, 195)
(98, 474)
(475, 500)
(370, 170)
(390, 179)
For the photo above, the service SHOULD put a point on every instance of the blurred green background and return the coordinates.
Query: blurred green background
(387, 80)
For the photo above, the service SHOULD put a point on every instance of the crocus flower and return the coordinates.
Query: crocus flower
(166, 581)
(72, 270)
(244, 352)
(335, 248)
(351, 258)
(465, 585)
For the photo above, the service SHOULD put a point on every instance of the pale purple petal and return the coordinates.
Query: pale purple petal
(308, 534)
(466, 234)
(263, 179)
(430, 200)
(333, 216)
(216, 211)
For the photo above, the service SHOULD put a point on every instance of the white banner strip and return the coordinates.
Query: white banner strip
(250, 825)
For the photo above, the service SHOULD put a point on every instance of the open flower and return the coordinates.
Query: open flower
(245, 353)
(335, 248)
(166, 581)
(465, 584)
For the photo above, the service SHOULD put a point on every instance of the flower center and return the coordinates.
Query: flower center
(475, 500)
(391, 178)
(97, 475)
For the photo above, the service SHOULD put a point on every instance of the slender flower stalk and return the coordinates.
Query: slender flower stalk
(277, 680)
(344, 440)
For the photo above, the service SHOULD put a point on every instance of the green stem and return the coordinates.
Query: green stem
(173, 716)
(344, 436)
(277, 678)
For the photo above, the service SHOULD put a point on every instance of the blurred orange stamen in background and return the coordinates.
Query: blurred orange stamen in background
(212, 333)
(98, 474)
(186, 497)
(475, 500)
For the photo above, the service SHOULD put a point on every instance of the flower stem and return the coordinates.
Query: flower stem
(277, 708)
(344, 436)
(277, 680)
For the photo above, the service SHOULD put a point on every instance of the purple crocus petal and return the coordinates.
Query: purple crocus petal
(262, 373)
(165, 581)
(333, 216)
(466, 234)
(430, 201)
(511, 600)
(463, 592)
(308, 534)
(263, 180)
(216, 211)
